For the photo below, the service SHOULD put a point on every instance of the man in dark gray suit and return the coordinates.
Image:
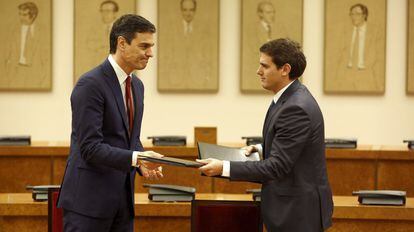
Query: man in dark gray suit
(296, 196)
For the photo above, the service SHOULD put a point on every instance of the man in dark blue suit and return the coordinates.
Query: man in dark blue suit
(296, 196)
(97, 192)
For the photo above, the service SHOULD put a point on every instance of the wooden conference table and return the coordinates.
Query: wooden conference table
(18, 212)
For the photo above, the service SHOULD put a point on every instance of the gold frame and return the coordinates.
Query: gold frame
(89, 44)
(188, 61)
(22, 75)
(249, 58)
(410, 46)
(341, 74)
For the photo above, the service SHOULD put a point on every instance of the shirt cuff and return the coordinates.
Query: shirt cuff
(135, 159)
(259, 149)
(226, 168)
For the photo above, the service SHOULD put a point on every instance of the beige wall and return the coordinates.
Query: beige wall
(383, 119)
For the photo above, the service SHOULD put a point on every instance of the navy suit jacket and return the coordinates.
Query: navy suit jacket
(101, 149)
(296, 195)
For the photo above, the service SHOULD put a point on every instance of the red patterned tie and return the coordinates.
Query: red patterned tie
(128, 100)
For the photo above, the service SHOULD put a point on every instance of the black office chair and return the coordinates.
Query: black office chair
(225, 216)
(55, 215)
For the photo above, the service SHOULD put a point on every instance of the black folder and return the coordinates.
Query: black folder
(207, 150)
(172, 161)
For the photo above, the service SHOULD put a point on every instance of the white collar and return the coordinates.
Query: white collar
(280, 92)
(120, 73)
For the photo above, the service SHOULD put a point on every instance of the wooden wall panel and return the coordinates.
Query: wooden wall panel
(348, 169)
(397, 175)
(341, 225)
(59, 165)
(346, 176)
(23, 223)
(16, 172)
(159, 224)
(227, 186)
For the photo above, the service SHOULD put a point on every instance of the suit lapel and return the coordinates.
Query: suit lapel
(113, 83)
(270, 118)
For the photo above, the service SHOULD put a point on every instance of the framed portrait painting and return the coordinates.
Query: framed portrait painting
(410, 64)
(26, 51)
(188, 45)
(93, 24)
(262, 21)
(355, 40)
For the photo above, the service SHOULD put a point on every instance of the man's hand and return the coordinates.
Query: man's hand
(150, 170)
(147, 164)
(151, 174)
(212, 167)
(248, 150)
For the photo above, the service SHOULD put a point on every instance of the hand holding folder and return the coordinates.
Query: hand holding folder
(212, 157)
(150, 170)
(170, 161)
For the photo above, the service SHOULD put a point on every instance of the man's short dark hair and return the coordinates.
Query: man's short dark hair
(363, 8)
(116, 7)
(286, 51)
(31, 7)
(126, 26)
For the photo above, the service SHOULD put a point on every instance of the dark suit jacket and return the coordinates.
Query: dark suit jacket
(100, 156)
(296, 195)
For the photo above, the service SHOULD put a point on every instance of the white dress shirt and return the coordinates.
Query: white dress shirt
(226, 163)
(122, 76)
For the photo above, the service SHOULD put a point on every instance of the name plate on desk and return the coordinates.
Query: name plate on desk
(340, 143)
(40, 192)
(165, 192)
(253, 140)
(15, 140)
(168, 140)
(256, 193)
(381, 197)
(410, 144)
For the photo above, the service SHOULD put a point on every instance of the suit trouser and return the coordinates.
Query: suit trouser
(123, 221)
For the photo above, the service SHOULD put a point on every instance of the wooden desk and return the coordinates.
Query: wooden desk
(367, 167)
(19, 213)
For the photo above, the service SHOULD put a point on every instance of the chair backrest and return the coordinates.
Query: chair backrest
(55, 215)
(226, 216)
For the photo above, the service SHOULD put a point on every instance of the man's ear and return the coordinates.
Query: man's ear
(286, 69)
(121, 42)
